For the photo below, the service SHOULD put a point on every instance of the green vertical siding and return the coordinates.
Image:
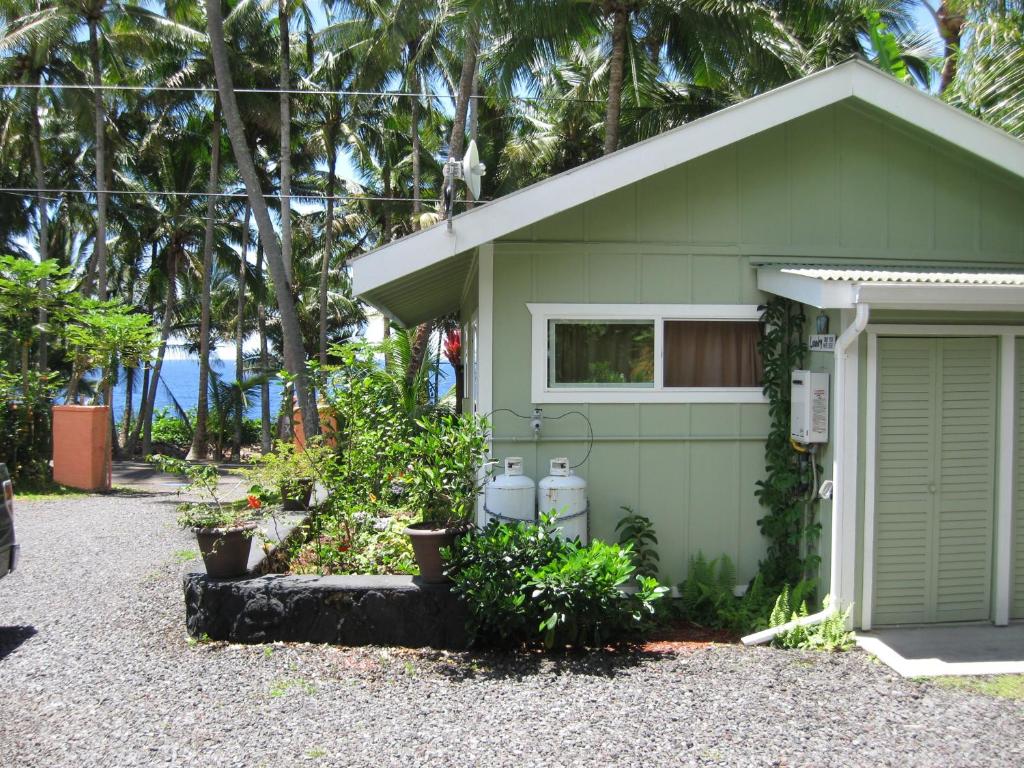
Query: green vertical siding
(842, 183)
(1017, 592)
(934, 497)
(692, 468)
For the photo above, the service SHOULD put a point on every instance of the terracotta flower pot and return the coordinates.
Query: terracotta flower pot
(81, 446)
(427, 542)
(225, 551)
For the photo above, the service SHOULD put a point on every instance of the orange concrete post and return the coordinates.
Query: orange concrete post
(328, 426)
(81, 446)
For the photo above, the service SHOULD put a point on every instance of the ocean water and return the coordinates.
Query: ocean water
(180, 378)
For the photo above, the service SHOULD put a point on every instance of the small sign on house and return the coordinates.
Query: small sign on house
(822, 342)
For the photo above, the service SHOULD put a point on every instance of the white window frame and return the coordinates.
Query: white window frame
(542, 392)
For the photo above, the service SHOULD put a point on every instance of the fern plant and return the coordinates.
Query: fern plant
(828, 635)
(707, 594)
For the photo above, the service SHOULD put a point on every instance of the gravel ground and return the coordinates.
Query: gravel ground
(96, 670)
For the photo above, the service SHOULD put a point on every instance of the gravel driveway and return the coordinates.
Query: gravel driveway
(96, 670)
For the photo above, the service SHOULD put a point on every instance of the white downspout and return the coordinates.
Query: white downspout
(860, 322)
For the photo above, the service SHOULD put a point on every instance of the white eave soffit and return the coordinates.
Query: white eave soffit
(567, 190)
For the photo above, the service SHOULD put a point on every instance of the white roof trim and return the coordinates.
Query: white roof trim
(827, 292)
(539, 201)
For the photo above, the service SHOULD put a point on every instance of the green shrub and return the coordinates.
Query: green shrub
(443, 476)
(170, 430)
(26, 433)
(360, 543)
(524, 584)
(173, 430)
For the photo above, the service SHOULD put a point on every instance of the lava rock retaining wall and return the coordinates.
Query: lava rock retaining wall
(346, 610)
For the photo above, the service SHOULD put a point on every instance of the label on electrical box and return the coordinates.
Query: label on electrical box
(825, 342)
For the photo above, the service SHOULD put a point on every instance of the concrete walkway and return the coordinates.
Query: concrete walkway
(948, 649)
(143, 477)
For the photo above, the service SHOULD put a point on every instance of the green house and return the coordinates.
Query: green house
(627, 290)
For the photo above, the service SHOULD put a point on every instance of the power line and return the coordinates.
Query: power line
(236, 195)
(277, 91)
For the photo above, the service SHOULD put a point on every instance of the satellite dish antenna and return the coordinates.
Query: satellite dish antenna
(472, 170)
(469, 170)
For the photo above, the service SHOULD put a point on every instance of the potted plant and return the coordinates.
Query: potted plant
(442, 483)
(289, 471)
(105, 335)
(224, 530)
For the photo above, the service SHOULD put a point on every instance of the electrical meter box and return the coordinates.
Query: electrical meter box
(809, 392)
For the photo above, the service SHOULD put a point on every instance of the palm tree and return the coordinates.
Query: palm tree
(292, 340)
(178, 163)
(989, 77)
(34, 33)
(198, 449)
(286, 138)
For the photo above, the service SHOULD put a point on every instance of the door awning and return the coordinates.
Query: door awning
(924, 288)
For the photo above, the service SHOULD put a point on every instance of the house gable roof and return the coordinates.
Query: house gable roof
(854, 79)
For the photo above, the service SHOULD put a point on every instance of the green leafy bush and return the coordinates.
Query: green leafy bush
(443, 476)
(171, 430)
(828, 635)
(362, 543)
(524, 584)
(638, 532)
(174, 430)
(26, 435)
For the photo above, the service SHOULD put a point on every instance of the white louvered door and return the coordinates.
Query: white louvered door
(934, 505)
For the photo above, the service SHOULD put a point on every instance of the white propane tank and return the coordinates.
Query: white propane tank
(510, 497)
(566, 494)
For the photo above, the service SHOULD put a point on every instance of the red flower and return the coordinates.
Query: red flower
(254, 501)
(453, 346)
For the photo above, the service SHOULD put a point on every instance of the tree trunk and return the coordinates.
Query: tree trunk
(41, 213)
(474, 119)
(176, 254)
(419, 350)
(423, 329)
(199, 441)
(108, 398)
(100, 246)
(294, 354)
(286, 141)
(616, 67)
(129, 405)
(951, 24)
(416, 83)
(132, 442)
(325, 263)
(236, 445)
(417, 173)
(455, 145)
(261, 317)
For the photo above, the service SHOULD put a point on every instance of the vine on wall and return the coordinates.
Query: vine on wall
(790, 522)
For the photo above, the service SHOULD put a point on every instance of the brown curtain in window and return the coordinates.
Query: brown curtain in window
(701, 353)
